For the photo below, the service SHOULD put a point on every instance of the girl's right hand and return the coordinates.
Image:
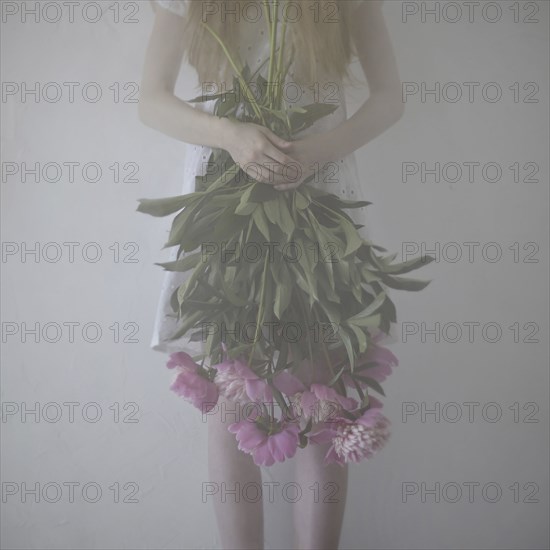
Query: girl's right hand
(260, 153)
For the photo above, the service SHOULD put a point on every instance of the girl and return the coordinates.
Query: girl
(326, 36)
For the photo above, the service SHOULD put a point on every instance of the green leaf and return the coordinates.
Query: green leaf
(300, 121)
(231, 295)
(368, 275)
(327, 291)
(336, 203)
(342, 270)
(353, 240)
(356, 286)
(371, 382)
(227, 227)
(361, 337)
(227, 105)
(229, 174)
(308, 268)
(336, 377)
(372, 321)
(246, 208)
(261, 222)
(203, 97)
(271, 209)
(185, 289)
(408, 266)
(183, 264)
(262, 192)
(166, 206)
(179, 224)
(403, 283)
(301, 202)
(370, 309)
(333, 311)
(287, 221)
(283, 292)
(347, 343)
(186, 325)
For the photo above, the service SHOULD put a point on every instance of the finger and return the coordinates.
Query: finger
(284, 174)
(276, 173)
(282, 179)
(279, 142)
(280, 157)
(275, 139)
(269, 172)
(286, 168)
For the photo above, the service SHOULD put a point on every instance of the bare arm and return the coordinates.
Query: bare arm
(249, 145)
(381, 110)
(384, 107)
(159, 108)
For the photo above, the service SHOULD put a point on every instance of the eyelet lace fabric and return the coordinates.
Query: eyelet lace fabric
(179, 7)
(339, 177)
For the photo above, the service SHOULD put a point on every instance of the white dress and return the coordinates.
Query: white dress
(343, 181)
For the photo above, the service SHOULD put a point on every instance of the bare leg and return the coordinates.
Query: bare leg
(240, 521)
(319, 513)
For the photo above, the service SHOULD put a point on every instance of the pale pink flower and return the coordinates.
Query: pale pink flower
(240, 383)
(192, 382)
(321, 402)
(353, 441)
(231, 384)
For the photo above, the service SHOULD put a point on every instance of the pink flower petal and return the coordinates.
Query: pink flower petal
(287, 383)
(262, 456)
(181, 359)
(255, 389)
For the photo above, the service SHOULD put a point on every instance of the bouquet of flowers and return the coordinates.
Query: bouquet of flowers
(285, 277)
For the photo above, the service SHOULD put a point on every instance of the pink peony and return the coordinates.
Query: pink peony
(266, 446)
(322, 402)
(240, 383)
(352, 441)
(230, 383)
(384, 360)
(192, 382)
(287, 383)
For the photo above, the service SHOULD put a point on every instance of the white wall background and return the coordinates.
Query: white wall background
(164, 452)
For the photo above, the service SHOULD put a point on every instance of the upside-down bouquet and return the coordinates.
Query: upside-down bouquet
(282, 278)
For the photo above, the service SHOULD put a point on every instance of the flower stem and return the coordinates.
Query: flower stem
(273, 36)
(267, 15)
(261, 308)
(268, 19)
(306, 316)
(238, 71)
(280, 63)
(324, 348)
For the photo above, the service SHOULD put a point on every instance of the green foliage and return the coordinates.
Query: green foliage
(272, 260)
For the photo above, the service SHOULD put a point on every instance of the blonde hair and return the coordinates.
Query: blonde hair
(318, 31)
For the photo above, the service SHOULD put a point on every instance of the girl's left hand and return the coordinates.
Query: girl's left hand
(309, 156)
